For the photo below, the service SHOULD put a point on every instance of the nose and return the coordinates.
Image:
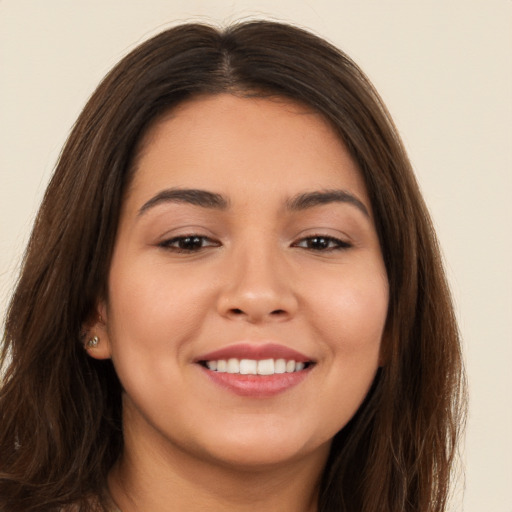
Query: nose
(257, 288)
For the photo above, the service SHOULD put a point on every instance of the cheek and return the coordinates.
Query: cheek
(348, 311)
(152, 316)
(149, 306)
(352, 312)
(354, 318)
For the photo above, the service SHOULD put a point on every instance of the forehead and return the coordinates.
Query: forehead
(227, 144)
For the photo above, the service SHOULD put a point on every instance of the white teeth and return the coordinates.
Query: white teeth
(212, 365)
(280, 366)
(233, 366)
(266, 367)
(248, 367)
(255, 367)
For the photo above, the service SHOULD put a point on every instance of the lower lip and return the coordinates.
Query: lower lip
(257, 386)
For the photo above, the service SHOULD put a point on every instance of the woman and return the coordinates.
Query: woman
(232, 298)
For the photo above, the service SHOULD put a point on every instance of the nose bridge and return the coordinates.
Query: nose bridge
(257, 284)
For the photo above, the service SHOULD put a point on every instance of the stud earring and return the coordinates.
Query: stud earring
(93, 342)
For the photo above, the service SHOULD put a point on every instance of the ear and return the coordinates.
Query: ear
(95, 334)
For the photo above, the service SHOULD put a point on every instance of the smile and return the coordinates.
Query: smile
(255, 367)
(256, 370)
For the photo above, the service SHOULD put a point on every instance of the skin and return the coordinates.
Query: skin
(257, 275)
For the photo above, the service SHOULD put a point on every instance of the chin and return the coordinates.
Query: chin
(266, 446)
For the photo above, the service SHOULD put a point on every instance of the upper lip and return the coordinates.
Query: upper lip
(255, 351)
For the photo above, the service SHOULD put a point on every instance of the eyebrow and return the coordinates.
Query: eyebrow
(206, 199)
(196, 197)
(317, 198)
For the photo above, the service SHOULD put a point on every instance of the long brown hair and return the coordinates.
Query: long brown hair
(60, 411)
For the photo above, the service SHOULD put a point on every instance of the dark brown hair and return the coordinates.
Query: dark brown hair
(60, 411)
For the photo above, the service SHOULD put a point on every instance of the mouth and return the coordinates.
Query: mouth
(256, 367)
(256, 370)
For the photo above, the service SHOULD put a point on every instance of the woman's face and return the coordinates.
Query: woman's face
(246, 243)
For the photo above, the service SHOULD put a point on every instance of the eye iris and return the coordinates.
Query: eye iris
(190, 242)
(318, 242)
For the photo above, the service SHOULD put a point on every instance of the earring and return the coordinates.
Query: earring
(93, 342)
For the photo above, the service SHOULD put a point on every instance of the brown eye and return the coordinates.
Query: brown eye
(322, 243)
(188, 243)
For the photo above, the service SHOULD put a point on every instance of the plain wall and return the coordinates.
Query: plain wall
(444, 69)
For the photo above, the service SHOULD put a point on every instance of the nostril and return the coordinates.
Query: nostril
(276, 312)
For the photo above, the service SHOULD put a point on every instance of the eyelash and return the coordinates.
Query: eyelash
(329, 243)
(192, 239)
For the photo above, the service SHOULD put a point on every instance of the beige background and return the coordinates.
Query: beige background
(444, 68)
